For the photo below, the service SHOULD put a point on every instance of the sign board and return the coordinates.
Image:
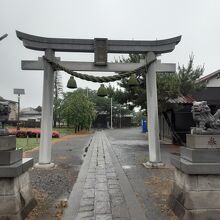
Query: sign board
(100, 49)
(19, 91)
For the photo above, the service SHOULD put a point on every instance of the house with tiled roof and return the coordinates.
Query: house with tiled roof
(175, 124)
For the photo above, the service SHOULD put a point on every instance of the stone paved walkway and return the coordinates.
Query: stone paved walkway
(102, 190)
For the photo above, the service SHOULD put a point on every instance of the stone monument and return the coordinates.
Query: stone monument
(196, 190)
(16, 198)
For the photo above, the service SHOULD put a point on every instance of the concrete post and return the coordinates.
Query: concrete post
(47, 112)
(152, 111)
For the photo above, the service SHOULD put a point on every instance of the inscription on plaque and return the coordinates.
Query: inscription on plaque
(100, 49)
(212, 141)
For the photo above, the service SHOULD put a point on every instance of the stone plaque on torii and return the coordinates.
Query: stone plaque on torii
(101, 47)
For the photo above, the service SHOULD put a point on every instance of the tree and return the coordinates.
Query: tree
(103, 104)
(78, 110)
(169, 85)
(188, 77)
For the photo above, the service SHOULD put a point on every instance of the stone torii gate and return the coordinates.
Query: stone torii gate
(100, 47)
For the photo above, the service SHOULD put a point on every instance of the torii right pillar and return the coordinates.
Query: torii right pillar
(152, 113)
(154, 67)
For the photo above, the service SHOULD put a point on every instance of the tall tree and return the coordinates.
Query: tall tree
(188, 77)
(169, 85)
(78, 110)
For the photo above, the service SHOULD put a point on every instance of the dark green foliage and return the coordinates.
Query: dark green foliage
(169, 85)
(77, 110)
(188, 77)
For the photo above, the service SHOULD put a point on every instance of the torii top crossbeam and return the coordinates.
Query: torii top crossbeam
(87, 45)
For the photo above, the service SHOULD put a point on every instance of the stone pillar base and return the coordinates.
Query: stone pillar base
(44, 165)
(195, 197)
(155, 165)
(16, 199)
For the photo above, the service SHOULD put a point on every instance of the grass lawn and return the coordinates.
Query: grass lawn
(64, 131)
(30, 143)
(27, 144)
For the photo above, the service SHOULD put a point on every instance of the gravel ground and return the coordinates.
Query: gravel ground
(51, 187)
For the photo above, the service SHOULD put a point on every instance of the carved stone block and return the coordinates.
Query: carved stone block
(202, 141)
(10, 157)
(7, 142)
(198, 155)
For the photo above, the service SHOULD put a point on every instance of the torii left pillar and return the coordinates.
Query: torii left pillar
(47, 113)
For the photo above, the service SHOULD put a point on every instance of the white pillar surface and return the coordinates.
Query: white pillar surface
(152, 114)
(47, 111)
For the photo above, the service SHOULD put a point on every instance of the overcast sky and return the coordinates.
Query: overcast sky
(198, 21)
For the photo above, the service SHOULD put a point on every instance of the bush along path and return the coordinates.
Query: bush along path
(51, 187)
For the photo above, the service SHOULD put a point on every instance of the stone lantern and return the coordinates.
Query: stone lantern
(15, 190)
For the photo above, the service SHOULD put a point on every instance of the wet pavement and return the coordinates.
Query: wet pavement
(131, 149)
(113, 183)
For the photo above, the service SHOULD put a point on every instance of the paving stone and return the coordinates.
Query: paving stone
(101, 186)
(86, 208)
(90, 181)
(102, 208)
(102, 196)
(111, 175)
(82, 215)
(90, 176)
(88, 193)
(86, 202)
(89, 186)
(109, 170)
(117, 218)
(86, 218)
(113, 186)
(103, 217)
(110, 181)
(92, 170)
(117, 201)
(115, 192)
(101, 179)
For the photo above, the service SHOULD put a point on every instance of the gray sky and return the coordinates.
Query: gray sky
(198, 21)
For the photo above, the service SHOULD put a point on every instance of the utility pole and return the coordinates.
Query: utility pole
(18, 92)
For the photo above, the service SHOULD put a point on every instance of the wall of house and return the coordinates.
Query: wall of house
(30, 117)
(213, 82)
(209, 94)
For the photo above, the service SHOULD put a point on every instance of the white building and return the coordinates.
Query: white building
(27, 114)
